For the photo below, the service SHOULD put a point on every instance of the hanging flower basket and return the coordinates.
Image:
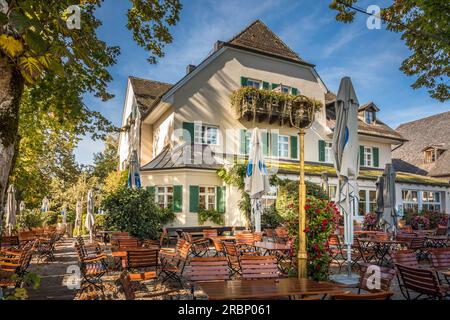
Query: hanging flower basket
(265, 105)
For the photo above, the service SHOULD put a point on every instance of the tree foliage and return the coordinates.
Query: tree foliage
(425, 28)
(59, 64)
(107, 160)
(135, 211)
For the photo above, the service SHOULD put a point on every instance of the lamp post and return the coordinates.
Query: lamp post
(302, 117)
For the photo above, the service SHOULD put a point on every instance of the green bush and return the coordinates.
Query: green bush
(134, 211)
(211, 215)
(51, 218)
(30, 218)
(100, 220)
(270, 218)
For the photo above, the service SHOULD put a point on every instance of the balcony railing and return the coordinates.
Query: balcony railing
(273, 107)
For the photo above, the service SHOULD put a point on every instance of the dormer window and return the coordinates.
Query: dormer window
(430, 156)
(369, 116)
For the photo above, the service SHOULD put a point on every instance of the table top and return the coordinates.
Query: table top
(247, 289)
(271, 245)
(223, 238)
(122, 252)
(380, 241)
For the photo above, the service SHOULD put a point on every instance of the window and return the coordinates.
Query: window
(410, 201)
(285, 89)
(430, 156)
(369, 116)
(207, 198)
(332, 192)
(431, 201)
(367, 156)
(205, 135)
(269, 199)
(254, 83)
(329, 152)
(283, 146)
(367, 202)
(164, 196)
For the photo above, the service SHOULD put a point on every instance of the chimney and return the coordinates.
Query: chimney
(218, 45)
(190, 68)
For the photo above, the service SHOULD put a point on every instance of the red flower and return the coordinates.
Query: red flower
(307, 207)
(318, 210)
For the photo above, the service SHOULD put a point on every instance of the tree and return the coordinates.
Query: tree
(425, 28)
(40, 49)
(107, 160)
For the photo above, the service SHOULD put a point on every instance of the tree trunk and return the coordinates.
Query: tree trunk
(11, 89)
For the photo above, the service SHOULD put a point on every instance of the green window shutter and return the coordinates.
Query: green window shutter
(177, 198)
(243, 149)
(152, 191)
(274, 144)
(294, 147)
(266, 85)
(275, 85)
(321, 151)
(265, 142)
(220, 199)
(361, 155)
(188, 128)
(294, 91)
(193, 198)
(376, 157)
(244, 81)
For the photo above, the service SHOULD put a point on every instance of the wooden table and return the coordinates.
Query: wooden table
(381, 248)
(248, 289)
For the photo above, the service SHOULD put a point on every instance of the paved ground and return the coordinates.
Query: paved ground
(53, 274)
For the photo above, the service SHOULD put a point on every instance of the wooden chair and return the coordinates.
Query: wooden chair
(406, 258)
(417, 244)
(269, 234)
(9, 242)
(281, 235)
(233, 255)
(208, 270)
(140, 261)
(130, 294)
(200, 247)
(336, 251)
(92, 270)
(421, 281)
(441, 231)
(258, 236)
(129, 243)
(257, 267)
(369, 296)
(368, 280)
(440, 259)
(207, 233)
(173, 269)
(218, 248)
(245, 241)
(151, 244)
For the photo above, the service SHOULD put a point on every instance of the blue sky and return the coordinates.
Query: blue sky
(370, 57)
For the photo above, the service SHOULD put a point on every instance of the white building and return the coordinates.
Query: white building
(163, 121)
